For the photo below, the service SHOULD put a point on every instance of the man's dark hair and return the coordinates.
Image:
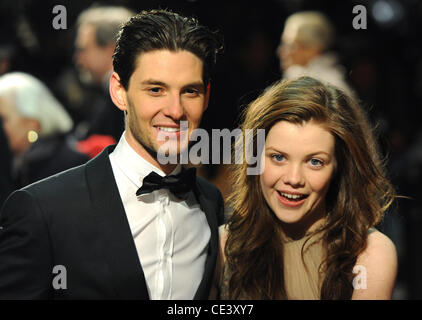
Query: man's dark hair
(164, 30)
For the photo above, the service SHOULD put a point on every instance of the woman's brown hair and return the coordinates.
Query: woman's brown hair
(358, 196)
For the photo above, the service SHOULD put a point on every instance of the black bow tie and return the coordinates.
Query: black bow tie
(179, 184)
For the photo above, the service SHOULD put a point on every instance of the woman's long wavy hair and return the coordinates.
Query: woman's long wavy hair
(358, 196)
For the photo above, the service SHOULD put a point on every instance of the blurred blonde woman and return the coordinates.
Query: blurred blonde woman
(36, 126)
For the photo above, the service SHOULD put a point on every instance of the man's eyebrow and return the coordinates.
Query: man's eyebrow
(197, 85)
(153, 82)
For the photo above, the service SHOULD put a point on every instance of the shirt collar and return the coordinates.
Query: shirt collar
(135, 167)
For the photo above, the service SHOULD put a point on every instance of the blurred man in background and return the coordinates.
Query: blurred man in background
(97, 29)
(304, 49)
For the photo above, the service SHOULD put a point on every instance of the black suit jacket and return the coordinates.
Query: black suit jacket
(45, 157)
(76, 219)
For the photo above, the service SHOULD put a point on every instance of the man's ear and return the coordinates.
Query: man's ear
(117, 92)
(207, 96)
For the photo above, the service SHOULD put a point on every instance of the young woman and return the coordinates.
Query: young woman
(304, 227)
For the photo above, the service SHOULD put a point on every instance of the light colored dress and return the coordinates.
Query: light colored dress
(302, 278)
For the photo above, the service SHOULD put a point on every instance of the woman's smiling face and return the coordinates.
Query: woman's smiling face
(299, 164)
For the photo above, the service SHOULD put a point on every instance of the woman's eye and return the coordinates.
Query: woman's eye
(277, 157)
(316, 162)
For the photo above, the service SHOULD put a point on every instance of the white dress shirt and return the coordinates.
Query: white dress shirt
(171, 235)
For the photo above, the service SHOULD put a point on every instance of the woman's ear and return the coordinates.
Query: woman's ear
(117, 92)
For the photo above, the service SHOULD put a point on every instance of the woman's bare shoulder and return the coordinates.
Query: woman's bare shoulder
(379, 246)
(376, 266)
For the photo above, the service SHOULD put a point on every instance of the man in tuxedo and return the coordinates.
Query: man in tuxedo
(125, 225)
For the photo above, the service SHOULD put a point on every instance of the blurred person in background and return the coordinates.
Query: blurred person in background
(36, 127)
(304, 50)
(6, 53)
(95, 41)
(6, 185)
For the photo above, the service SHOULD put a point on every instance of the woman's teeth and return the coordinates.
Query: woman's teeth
(292, 196)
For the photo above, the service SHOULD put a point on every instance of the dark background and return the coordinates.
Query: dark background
(384, 64)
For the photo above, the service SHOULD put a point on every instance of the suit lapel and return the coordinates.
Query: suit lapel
(209, 207)
(119, 248)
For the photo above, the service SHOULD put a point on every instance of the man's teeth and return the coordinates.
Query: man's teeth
(292, 196)
(167, 129)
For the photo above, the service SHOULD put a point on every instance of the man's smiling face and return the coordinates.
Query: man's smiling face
(165, 88)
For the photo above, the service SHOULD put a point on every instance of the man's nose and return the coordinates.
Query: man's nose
(175, 108)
